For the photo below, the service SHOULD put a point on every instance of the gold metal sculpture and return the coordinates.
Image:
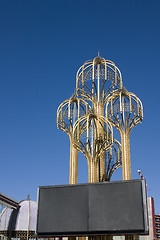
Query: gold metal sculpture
(93, 143)
(67, 114)
(113, 160)
(95, 80)
(124, 110)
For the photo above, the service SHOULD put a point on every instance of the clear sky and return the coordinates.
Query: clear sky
(42, 45)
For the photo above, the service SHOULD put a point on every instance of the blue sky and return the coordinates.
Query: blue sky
(42, 45)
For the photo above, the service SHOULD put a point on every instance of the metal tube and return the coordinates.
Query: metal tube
(73, 164)
(126, 163)
(98, 83)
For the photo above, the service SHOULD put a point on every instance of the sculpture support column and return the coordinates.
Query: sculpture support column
(92, 171)
(101, 163)
(73, 164)
(126, 162)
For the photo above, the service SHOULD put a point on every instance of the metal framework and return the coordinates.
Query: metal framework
(124, 110)
(99, 89)
(67, 113)
(96, 78)
(113, 160)
(93, 135)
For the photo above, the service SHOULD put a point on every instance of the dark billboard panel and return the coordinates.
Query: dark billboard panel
(92, 209)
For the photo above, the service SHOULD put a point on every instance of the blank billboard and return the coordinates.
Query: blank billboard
(92, 209)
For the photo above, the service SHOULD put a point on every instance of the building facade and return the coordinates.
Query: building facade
(157, 223)
(151, 220)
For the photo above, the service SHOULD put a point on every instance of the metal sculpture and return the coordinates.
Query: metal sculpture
(95, 80)
(124, 110)
(67, 114)
(93, 135)
(99, 89)
(113, 160)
